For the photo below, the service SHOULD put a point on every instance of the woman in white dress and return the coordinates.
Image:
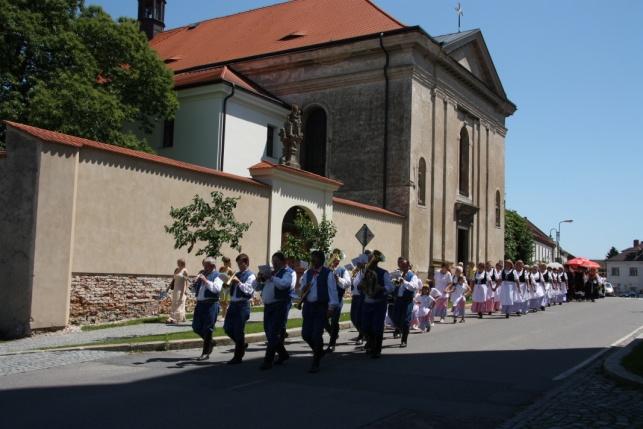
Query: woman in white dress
(550, 293)
(481, 287)
(491, 288)
(562, 281)
(498, 285)
(508, 286)
(520, 292)
(177, 311)
(539, 282)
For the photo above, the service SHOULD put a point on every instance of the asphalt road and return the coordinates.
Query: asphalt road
(477, 374)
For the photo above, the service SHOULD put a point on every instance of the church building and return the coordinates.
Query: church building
(400, 131)
(409, 122)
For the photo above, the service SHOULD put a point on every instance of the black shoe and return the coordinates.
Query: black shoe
(506, 317)
(479, 315)
(359, 342)
(245, 346)
(281, 359)
(403, 345)
(330, 349)
(542, 308)
(396, 334)
(234, 361)
(203, 357)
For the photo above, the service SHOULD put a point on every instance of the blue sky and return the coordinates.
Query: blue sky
(574, 68)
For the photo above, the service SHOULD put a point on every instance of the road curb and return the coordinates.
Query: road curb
(161, 346)
(613, 368)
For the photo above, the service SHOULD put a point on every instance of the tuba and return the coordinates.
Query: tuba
(370, 285)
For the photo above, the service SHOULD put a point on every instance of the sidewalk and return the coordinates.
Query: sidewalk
(66, 338)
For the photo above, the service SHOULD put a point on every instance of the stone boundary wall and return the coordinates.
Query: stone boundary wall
(100, 298)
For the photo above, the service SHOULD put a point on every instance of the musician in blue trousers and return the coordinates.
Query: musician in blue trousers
(207, 289)
(374, 306)
(241, 290)
(276, 288)
(320, 302)
(357, 297)
(407, 287)
(343, 281)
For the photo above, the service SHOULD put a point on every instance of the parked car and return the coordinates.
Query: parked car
(609, 289)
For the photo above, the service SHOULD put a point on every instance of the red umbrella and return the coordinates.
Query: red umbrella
(582, 262)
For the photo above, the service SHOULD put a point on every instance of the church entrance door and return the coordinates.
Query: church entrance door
(463, 246)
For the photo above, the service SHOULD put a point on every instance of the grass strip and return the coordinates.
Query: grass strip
(251, 328)
(633, 362)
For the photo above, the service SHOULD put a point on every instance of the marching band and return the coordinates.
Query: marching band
(378, 298)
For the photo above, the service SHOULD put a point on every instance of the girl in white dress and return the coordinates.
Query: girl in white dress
(539, 286)
(458, 293)
(435, 294)
(425, 304)
(442, 280)
(481, 286)
(177, 311)
(509, 283)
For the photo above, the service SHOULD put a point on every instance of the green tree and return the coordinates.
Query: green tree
(519, 242)
(212, 224)
(612, 252)
(73, 69)
(309, 237)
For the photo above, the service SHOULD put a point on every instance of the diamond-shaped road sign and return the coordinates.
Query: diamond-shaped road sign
(364, 235)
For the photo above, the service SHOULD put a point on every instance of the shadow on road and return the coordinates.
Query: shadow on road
(477, 389)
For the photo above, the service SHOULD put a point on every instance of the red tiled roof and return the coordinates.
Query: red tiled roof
(79, 142)
(539, 235)
(214, 75)
(266, 165)
(367, 207)
(284, 26)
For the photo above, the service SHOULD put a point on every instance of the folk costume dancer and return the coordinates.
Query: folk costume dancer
(343, 282)
(357, 297)
(458, 293)
(207, 288)
(497, 305)
(408, 285)
(241, 291)
(520, 291)
(442, 280)
(491, 288)
(481, 289)
(435, 294)
(509, 284)
(425, 304)
(539, 281)
(319, 301)
(548, 279)
(376, 285)
(563, 281)
(276, 293)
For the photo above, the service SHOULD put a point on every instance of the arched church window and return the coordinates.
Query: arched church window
(422, 182)
(313, 152)
(464, 162)
(498, 209)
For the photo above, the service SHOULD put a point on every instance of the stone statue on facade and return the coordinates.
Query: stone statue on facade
(292, 136)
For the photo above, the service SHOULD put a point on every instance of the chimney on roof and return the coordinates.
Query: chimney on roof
(637, 243)
(151, 17)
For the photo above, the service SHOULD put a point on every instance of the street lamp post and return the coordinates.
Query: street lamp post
(558, 259)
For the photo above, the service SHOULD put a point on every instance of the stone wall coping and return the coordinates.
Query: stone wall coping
(48, 136)
(374, 209)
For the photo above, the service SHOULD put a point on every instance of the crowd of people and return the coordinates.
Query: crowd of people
(399, 299)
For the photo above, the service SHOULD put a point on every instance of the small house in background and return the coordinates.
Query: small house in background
(625, 270)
